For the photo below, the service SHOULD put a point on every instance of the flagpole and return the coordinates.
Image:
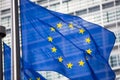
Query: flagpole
(2, 34)
(15, 42)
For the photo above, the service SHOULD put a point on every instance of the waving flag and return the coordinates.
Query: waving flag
(26, 74)
(67, 44)
(7, 62)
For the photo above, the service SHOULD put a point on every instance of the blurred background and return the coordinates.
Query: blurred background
(103, 12)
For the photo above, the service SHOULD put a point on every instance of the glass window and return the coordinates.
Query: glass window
(65, 5)
(6, 11)
(117, 2)
(118, 78)
(71, 13)
(119, 36)
(55, 6)
(119, 60)
(8, 31)
(118, 24)
(73, 5)
(65, 1)
(109, 16)
(113, 61)
(92, 2)
(104, 0)
(110, 26)
(81, 12)
(5, 21)
(42, 1)
(93, 9)
(108, 5)
(118, 13)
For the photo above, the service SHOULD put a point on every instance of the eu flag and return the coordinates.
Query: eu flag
(26, 74)
(67, 44)
(7, 62)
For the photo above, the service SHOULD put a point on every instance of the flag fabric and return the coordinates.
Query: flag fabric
(29, 74)
(67, 44)
(7, 62)
(26, 74)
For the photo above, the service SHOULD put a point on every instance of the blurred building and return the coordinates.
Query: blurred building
(102, 12)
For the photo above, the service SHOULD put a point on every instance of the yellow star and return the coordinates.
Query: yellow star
(69, 65)
(38, 78)
(52, 29)
(81, 31)
(60, 59)
(89, 51)
(88, 40)
(53, 49)
(59, 25)
(50, 39)
(81, 63)
(71, 26)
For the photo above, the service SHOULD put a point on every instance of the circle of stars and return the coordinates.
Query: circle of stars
(54, 49)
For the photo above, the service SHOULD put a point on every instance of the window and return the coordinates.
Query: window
(104, 0)
(81, 12)
(66, 5)
(5, 21)
(55, 6)
(119, 37)
(109, 16)
(118, 78)
(117, 34)
(92, 2)
(42, 1)
(108, 5)
(119, 60)
(110, 26)
(118, 13)
(6, 11)
(113, 61)
(117, 2)
(8, 31)
(93, 9)
(66, 0)
(71, 13)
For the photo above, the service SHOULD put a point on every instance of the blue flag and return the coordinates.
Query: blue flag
(7, 62)
(67, 44)
(26, 74)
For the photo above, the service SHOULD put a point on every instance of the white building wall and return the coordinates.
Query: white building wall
(102, 12)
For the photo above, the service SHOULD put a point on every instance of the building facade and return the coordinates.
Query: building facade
(103, 12)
